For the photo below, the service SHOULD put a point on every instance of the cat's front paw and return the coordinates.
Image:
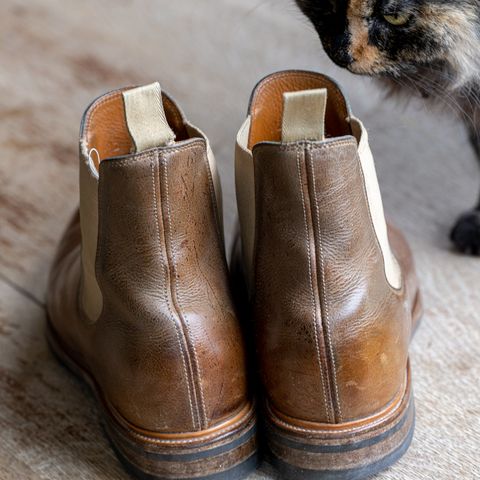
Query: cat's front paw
(466, 233)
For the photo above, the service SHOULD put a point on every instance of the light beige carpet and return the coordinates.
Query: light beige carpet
(56, 55)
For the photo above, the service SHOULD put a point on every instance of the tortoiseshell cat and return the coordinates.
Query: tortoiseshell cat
(426, 47)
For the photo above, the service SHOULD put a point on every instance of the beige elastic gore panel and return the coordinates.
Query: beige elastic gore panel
(146, 118)
(304, 115)
(245, 190)
(91, 295)
(374, 197)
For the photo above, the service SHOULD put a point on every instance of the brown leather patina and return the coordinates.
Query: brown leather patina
(332, 333)
(166, 354)
(325, 299)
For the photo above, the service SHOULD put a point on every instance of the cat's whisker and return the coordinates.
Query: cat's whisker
(412, 85)
(443, 95)
(451, 101)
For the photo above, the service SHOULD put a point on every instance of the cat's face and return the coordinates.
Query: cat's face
(397, 37)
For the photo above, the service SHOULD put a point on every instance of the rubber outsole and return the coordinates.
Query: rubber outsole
(360, 473)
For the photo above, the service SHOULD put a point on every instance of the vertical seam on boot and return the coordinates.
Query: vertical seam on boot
(323, 290)
(177, 303)
(315, 323)
(164, 268)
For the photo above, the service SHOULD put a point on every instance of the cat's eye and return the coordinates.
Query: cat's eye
(397, 19)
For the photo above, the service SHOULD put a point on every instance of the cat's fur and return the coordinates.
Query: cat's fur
(436, 54)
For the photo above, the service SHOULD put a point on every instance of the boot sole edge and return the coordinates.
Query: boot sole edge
(353, 455)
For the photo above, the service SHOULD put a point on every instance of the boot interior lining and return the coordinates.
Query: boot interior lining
(106, 131)
(266, 108)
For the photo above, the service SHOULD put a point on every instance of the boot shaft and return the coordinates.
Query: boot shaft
(156, 321)
(327, 289)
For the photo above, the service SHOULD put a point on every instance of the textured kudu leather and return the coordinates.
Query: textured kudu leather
(167, 350)
(332, 333)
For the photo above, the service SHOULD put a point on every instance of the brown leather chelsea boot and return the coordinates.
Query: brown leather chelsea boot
(332, 289)
(139, 303)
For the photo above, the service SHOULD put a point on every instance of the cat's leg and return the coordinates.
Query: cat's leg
(466, 232)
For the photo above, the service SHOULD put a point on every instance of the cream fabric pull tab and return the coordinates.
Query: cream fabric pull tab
(146, 119)
(304, 115)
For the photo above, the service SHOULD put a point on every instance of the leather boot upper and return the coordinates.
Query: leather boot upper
(138, 291)
(332, 290)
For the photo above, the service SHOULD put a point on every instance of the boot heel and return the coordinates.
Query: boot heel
(230, 456)
(341, 455)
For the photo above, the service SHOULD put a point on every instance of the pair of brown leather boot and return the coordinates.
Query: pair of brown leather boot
(141, 304)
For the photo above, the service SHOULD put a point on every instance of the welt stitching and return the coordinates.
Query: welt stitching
(380, 419)
(188, 441)
(315, 321)
(371, 426)
(324, 296)
(195, 356)
(165, 291)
